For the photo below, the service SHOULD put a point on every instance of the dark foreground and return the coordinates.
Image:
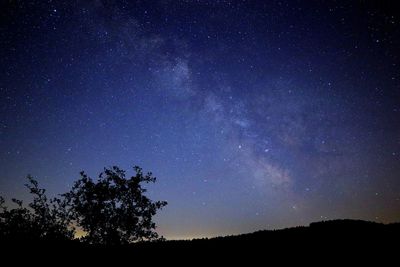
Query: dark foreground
(331, 241)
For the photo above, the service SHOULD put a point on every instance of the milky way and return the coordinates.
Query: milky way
(252, 114)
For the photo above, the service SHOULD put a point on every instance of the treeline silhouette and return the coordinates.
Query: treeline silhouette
(339, 242)
(116, 216)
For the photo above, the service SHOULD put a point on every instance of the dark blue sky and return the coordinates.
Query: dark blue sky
(252, 114)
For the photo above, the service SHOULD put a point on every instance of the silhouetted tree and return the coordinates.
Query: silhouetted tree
(113, 209)
(51, 216)
(43, 220)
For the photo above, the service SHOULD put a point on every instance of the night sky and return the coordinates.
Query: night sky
(252, 114)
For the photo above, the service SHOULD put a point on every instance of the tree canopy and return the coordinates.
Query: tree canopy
(114, 209)
(43, 219)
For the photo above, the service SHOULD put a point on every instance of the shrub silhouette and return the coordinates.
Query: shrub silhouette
(113, 209)
(43, 220)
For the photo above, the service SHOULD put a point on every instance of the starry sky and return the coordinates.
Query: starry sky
(252, 114)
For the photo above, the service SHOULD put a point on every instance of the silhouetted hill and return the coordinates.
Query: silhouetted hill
(325, 233)
(331, 239)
